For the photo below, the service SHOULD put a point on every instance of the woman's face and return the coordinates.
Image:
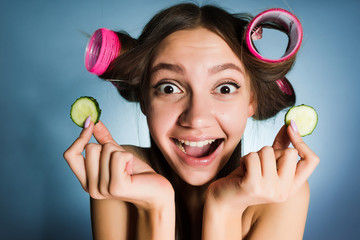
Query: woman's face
(198, 103)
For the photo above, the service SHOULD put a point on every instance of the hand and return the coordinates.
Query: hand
(270, 175)
(109, 172)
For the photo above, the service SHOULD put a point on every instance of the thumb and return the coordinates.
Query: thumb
(282, 139)
(102, 134)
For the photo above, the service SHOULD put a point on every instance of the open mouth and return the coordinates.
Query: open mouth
(198, 149)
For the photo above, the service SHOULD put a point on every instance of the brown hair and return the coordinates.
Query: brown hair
(133, 65)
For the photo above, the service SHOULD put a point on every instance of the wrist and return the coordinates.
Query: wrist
(224, 200)
(224, 208)
(157, 221)
(221, 220)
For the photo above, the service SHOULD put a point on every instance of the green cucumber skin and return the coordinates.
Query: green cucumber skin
(302, 105)
(96, 105)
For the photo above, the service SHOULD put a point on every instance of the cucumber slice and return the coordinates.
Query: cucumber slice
(82, 108)
(305, 117)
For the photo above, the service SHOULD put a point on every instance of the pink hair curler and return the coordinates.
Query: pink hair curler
(283, 18)
(284, 86)
(103, 47)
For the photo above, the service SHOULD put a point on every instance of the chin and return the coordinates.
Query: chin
(198, 179)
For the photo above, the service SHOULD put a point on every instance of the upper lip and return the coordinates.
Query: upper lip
(195, 139)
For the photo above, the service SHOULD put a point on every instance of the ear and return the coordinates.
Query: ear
(252, 104)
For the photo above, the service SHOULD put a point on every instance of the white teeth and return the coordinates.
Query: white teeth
(180, 146)
(195, 144)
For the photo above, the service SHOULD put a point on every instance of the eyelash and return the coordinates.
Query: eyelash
(229, 82)
(164, 82)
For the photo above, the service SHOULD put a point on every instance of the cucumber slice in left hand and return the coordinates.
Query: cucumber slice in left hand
(305, 118)
(84, 107)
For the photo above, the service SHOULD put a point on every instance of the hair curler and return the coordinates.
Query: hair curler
(284, 86)
(104, 46)
(281, 17)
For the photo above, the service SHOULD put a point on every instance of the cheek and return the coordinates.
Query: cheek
(233, 118)
(160, 118)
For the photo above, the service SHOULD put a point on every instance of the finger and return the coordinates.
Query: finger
(102, 134)
(268, 162)
(252, 165)
(92, 159)
(282, 140)
(74, 156)
(308, 159)
(79, 144)
(104, 177)
(286, 162)
(120, 179)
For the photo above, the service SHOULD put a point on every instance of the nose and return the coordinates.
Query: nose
(198, 113)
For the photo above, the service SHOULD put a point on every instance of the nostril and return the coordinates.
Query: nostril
(196, 119)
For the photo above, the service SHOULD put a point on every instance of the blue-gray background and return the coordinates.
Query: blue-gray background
(42, 73)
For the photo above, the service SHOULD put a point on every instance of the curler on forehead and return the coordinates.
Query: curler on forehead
(104, 46)
(281, 17)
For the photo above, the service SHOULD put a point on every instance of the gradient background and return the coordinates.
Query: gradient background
(42, 73)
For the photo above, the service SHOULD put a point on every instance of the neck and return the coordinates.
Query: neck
(192, 202)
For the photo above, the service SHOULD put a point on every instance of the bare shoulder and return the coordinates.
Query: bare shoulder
(281, 220)
(139, 152)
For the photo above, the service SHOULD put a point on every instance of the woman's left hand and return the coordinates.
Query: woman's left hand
(270, 175)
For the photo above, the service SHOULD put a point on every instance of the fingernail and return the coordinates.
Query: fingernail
(87, 122)
(294, 126)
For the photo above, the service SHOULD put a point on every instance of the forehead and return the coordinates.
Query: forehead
(198, 42)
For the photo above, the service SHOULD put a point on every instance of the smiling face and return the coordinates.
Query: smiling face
(198, 103)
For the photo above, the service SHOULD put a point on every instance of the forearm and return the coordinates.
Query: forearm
(157, 223)
(221, 221)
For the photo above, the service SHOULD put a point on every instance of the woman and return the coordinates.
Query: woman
(197, 84)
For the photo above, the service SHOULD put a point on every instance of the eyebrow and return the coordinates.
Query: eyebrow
(178, 69)
(167, 66)
(225, 66)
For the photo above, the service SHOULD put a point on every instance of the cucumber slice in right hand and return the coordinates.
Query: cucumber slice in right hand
(305, 118)
(84, 107)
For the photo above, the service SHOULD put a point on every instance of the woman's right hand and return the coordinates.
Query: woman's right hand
(108, 171)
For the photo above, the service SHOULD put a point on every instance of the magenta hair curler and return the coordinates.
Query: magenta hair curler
(103, 47)
(284, 86)
(284, 18)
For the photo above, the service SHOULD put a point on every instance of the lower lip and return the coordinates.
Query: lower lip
(198, 162)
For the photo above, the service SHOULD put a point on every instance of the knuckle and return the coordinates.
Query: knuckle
(67, 155)
(127, 155)
(109, 146)
(316, 159)
(267, 149)
(95, 194)
(116, 189)
(122, 156)
(104, 191)
(251, 155)
(292, 153)
(91, 147)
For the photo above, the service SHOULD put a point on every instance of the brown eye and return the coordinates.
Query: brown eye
(226, 88)
(168, 88)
